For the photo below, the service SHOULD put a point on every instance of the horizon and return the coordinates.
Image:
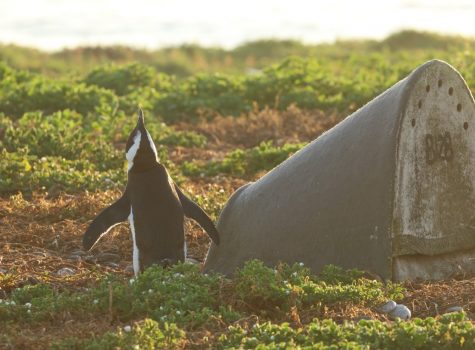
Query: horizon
(257, 40)
(48, 25)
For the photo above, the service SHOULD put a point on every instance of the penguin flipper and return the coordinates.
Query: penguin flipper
(109, 217)
(194, 211)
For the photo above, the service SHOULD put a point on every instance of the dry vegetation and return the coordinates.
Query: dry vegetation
(41, 234)
(64, 121)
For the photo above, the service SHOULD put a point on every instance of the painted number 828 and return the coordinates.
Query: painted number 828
(438, 147)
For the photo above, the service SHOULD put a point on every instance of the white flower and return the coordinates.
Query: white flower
(127, 328)
(150, 291)
(161, 308)
(221, 190)
(301, 263)
(12, 303)
(29, 311)
(272, 337)
(28, 305)
(132, 281)
(178, 312)
(96, 301)
(294, 274)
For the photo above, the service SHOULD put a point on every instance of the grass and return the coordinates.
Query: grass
(62, 138)
(260, 307)
(243, 163)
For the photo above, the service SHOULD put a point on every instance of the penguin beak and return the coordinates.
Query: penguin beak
(140, 121)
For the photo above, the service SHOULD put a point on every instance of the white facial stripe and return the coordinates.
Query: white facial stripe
(135, 252)
(130, 155)
(152, 144)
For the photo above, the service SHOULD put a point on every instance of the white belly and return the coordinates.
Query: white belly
(135, 252)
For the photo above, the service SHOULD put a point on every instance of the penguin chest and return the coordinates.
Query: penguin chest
(157, 218)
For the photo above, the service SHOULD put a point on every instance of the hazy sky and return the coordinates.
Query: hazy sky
(53, 24)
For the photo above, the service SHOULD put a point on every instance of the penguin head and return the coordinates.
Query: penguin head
(140, 150)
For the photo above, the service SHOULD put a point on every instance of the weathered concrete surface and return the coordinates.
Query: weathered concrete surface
(440, 266)
(394, 179)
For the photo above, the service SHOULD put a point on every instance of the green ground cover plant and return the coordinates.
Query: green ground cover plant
(167, 304)
(244, 162)
(64, 120)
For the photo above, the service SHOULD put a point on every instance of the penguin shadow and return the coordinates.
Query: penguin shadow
(154, 206)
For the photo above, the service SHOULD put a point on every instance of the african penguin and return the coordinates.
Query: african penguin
(154, 205)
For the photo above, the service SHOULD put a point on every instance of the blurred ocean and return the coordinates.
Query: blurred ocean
(54, 24)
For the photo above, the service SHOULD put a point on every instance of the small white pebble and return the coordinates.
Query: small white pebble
(127, 328)
(388, 307)
(401, 311)
(96, 301)
(28, 305)
(454, 309)
(65, 271)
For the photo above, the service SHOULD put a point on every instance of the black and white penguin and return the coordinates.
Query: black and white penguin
(154, 205)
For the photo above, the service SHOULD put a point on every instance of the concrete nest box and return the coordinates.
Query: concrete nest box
(390, 189)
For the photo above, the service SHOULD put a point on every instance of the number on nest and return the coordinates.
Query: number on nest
(438, 147)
